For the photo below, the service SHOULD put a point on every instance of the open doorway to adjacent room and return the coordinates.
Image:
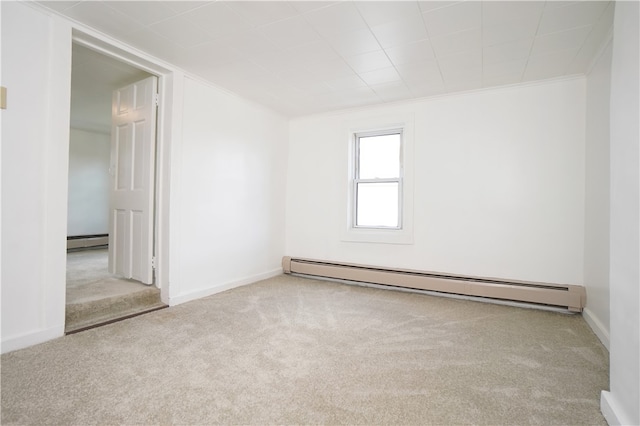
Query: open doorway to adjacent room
(99, 289)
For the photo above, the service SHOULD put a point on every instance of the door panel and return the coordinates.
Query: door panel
(133, 137)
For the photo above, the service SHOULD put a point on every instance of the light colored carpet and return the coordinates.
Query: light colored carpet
(294, 351)
(94, 296)
(88, 277)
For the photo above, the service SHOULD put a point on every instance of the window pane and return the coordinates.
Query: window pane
(377, 204)
(380, 157)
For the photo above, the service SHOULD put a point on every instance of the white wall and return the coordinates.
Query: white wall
(622, 403)
(88, 199)
(222, 195)
(231, 192)
(499, 185)
(35, 137)
(596, 242)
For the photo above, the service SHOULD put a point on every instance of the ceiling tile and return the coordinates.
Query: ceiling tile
(324, 101)
(359, 96)
(355, 42)
(370, 61)
(381, 76)
(462, 81)
(457, 42)
(309, 86)
(103, 18)
(495, 70)
(345, 83)
(554, 4)
(426, 6)
(290, 33)
(400, 32)
(144, 12)
(262, 12)
(273, 61)
(596, 40)
(550, 65)
(509, 31)
(502, 80)
(293, 55)
(571, 39)
(420, 73)
(412, 52)
(427, 90)
(181, 6)
(241, 70)
(498, 12)
(507, 52)
(151, 42)
(574, 15)
(248, 43)
(461, 62)
(279, 62)
(58, 5)
(313, 53)
(210, 55)
(382, 12)
(332, 69)
(181, 31)
(217, 19)
(452, 19)
(298, 76)
(304, 6)
(391, 92)
(336, 19)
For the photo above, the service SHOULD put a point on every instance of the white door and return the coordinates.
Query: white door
(133, 136)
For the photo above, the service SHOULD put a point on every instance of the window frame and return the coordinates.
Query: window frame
(368, 125)
(356, 179)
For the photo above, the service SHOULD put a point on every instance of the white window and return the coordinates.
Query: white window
(377, 181)
(379, 194)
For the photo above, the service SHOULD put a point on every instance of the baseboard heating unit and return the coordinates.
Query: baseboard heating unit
(87, 241)
(571, 297)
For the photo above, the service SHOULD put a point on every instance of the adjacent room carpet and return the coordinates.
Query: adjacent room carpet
(94, 296)
(296, 351)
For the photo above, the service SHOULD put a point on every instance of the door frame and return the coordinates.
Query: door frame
(167, 133)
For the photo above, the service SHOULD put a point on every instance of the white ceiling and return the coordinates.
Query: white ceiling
(301, 57)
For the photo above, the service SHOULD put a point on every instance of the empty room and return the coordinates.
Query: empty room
(352, 212)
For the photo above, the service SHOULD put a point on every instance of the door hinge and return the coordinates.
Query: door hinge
(153, 262)
(157, 98)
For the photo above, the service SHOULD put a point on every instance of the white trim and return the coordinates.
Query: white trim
(596, 325)
(447, 95)
(198, 294)
(612, 411)
(168, 135)
(30, 339)
(356, 179)
(350, 233)
(53, 256)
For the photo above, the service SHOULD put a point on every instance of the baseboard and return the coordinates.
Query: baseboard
(612, 411)
(198, 294)
(565, 296)
(87, 242)
(24, 341)
(596, 325)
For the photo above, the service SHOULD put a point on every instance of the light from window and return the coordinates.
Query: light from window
(378, 180)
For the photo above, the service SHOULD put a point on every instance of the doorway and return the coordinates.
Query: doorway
(94, 295)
